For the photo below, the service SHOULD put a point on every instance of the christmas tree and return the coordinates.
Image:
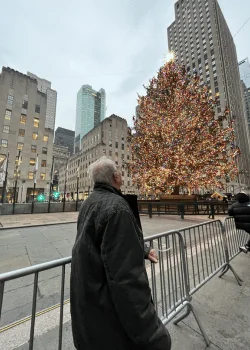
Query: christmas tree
(177, 139)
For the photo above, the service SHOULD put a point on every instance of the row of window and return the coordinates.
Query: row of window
(10, 101)
(84, 184)
(193, 4)
(21, 133)
(20, 145)
(33, 162)
(23, 118)
(82, 166)
(30, 175)
(91, 155)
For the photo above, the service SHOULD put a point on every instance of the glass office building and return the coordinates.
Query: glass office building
(244, 68)
(90, 111)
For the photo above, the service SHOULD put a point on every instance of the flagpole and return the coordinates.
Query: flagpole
(17, 170)
(51, 181)
(77, 188)
(34, 188)
(5, 180)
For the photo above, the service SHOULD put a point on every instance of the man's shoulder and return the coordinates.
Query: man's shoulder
(238, 205)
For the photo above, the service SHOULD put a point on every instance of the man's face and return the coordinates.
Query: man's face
(118, 179)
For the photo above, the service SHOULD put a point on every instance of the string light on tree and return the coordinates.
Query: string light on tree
(177, 140)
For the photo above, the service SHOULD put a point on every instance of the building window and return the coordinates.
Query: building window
(43, 163)
(37, 109)
(31, 176)
(5, 143)
(42, 176)
(116, 145)
(36, 122)
(127, 157)
(21, 132)
(45, 138)
(32, 161)
(6, 129)
(23, 119)
(33, 148)
(25, 104)
(8, 114)
(10, 99)
(110, 153)
(20, 146)
(34, 135)
(45, 150)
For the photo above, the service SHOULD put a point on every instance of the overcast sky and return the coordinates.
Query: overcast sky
(117, 45)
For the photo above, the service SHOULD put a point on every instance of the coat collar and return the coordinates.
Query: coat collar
(106, 187)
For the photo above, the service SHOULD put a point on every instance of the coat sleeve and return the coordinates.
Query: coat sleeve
(123, 257)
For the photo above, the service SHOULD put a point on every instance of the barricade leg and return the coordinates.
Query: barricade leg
(190, 309)
(228, 266)
(226, 269)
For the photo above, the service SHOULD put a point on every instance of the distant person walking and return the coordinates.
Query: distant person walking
(111, 302)
(241, 213)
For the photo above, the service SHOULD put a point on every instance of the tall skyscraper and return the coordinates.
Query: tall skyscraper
(44, 86)
(244, 67)
(22, 128)
(90, 111)
(65, 138)
(246, 93)
(202, 41)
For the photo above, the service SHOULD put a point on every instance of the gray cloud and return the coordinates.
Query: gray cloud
(117, 45)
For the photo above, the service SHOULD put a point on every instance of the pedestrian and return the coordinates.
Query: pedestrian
(210, 208)
(111, 302)
(241, 213)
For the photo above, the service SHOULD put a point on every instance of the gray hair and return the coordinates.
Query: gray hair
(102, 170)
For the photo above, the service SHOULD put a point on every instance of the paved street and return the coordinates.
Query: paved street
(27, 246)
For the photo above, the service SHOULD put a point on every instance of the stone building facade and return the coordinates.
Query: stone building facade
(202, 41)
(109, 138)
(22, 128)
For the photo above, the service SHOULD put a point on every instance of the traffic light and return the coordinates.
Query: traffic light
(56, 195)
(41, 198)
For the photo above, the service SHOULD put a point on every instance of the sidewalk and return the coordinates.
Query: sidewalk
(222, 305)
(50, 218)
(37, 219)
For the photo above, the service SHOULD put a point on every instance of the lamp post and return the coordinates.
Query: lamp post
(65, 186)
(51, 181)
(77, 187)
(15, 187)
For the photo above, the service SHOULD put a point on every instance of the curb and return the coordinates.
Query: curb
(36, 225)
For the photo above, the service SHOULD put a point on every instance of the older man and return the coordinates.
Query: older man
(111, 303)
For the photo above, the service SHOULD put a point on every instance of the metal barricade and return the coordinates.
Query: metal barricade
(169, 279)
(206, 253)
(188, 259)
(235, 238)
(35, 270)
